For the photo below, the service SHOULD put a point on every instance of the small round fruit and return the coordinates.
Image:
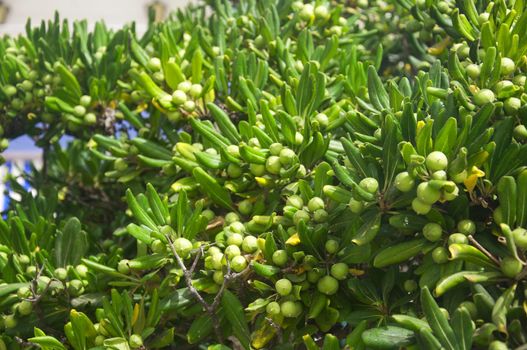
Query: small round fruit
(320, 215)
(90, 118)
(427, 194)
(307, 13)
(273, 308)
(436, 161)
(189, 106)
(512, 105)
(273, 165)
(232, 251)
(507, 66)
(322, 12)
(287, 156)
(135, 341)
(283, 286)
(238, 263)
(279, 257)
(23, 292)
(327, 285)
(183, 247)
(235, 239)
(315, 203)
(331, 246)
(356, 206)
(511, 266)
(473, 71)
(466, 227)
(85, 100)
(484, 96)
(82, 270)
(295, 201)
(10, 321)
(291, 308)
(457, 238)
(520, 237)
(195, 90)
(440, 255)
(432, 231)
(369, 184)
(339, 271)
(158, 246)
(420, 207)
(217, 261)
(322, 120)
(410, 286)
(79, 111)
(439, 175)
(520, 132)
(300, 215)
(257, 169)
(314, 275)
(250, 244)
(123, 267)
(498, 345)
(25, 307)
(404, 182)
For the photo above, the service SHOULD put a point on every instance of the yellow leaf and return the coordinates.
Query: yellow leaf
(263, 335)
(440, 47)
(135, 315)
(356, 272)
(293, 240)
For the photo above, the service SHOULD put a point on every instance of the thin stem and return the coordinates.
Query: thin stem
(485, 251)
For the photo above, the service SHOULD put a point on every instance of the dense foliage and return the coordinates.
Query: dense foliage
(271, 174)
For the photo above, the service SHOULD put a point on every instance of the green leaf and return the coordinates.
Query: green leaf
(71, 243)
(437, 321)
(213, 189)
(233, 311)
(388, 337)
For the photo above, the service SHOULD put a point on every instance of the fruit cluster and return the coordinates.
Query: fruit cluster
(270, 175)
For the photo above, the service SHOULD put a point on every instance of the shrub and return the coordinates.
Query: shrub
(270, 174)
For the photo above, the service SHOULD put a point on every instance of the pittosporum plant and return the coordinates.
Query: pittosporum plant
(270, 175)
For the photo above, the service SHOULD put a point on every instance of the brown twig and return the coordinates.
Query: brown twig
(485, 251)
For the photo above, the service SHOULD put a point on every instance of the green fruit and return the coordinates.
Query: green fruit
(404, 182)
(82, 270)
(75, 287)
(184, 86)
(273, 308)
(85, 100)
(436, 161)
(25, 307)
(307, 13)
(457, 238)
(158, 246)
(520, 238)
(420, 207)
(466, 227)
(484, 96)
(440, 255)
(291, 308)
(322, 12)
(439, 175)
(460, 177)
(339, 271)
(507, 66)
(23, 292)
(512, 105)
(183, 247)
(123, 267)
(250, 244)
(235, 239)
(327, 285)
(322, 120)
(315, 203)
(179, 97)
(473, 71)
(320, 215)
(232, 251)
(432, 232)
(90, 118)
(369, 184)
(314, 275)
(511, 266)
(79, 111)
(273, 165)
(331, 246)
(283, 287)
(275, 148)
(287, 156)
(498, 345)
(295, 201)
(520, 132)
(195, 90)
(257, 169)
(189, 106)
(135, 341)
(217, 261)
(238, 263)
(356, 206)
(410, 286)
(231, 217)
(279, 258)
(301, 215)
(10, 321)
(154, 64)
(427, 194)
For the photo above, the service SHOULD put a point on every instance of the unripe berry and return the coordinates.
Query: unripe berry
(436, 161)
(484, 96)
(440, 255)
(339, 271)
(279, 258)
(250, 244)
(331, 246)
(273, 308)
(327, 285)
(183, 247)
(369, 184)
(404, 182)
(283, 287)
(238, 263)
(432, 231)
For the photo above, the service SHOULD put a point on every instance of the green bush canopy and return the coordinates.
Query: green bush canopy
(270, 175)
